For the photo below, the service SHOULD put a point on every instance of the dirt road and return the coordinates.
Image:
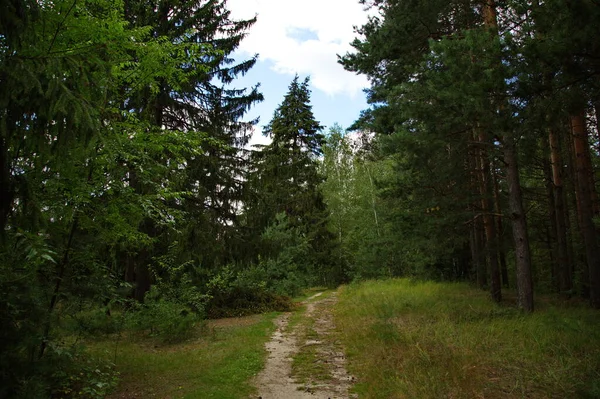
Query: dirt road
(323, 375)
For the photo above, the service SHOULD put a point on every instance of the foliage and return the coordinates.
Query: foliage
(286, 208)
(287, 263)
(247, 291)
(166, 320)
(94, 193)
(463, 98)
(85, 378)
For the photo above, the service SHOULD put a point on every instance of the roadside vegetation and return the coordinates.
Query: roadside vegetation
(219, 360)
(407, 339)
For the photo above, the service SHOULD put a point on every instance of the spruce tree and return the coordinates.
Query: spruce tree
(286, 178)
(198, 98)
(287, 167)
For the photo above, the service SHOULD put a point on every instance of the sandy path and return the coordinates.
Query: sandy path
(276, 382)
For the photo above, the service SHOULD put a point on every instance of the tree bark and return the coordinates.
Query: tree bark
(551, 231)
(519, 227)
(597, 114)
(476, 231)
(563, 263)
(6, 187)
(584, 197)
(477, 254)
(488, 220)
(515, 198)
(574, 221)
(500, 227)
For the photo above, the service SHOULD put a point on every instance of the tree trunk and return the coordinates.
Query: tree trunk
(138, 268)
(584, 197)
(488, 220)
(476, 236)
(479, 254)
(552, 231)
(500, 227)
(580, 271)
(6, 191)
(375, 218)
(563, 262)
(597, 114)
(519, 227)
(515, 198)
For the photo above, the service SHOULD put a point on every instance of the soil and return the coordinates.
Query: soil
(276, 380)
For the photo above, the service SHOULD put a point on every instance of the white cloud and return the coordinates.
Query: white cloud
(274, 37)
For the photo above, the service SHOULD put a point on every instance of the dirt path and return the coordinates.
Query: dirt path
(276, 380)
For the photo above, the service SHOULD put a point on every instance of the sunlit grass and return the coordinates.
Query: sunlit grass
(218, 363)
(430, 340)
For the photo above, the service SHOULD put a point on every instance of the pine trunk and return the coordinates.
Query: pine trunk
(597, 114)
(6, 192)
(580, 272)
(515, 198)
(488, 220)
(500, 227)
(482, 271)
(477, 239)
(552, 230)
(519, 227)
(474, 252)
(563, 261)
(586, 207)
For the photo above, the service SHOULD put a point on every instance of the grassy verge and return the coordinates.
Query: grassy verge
(218, 364)
(431, 340)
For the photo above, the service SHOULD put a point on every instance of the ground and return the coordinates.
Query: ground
(305, 359)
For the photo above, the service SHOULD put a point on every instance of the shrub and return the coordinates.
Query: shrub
(242, 293)
(166, 320)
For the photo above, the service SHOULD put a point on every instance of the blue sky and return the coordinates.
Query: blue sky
(302, 37)
(328, 109)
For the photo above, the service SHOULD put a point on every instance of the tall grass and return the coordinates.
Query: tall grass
(430, 340)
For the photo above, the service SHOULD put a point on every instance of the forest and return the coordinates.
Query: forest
(130, 199)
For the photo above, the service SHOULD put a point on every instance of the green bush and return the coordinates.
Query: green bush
(67, 372)
(85, 378)
(242, 293)
(95, 321)
(166, 320)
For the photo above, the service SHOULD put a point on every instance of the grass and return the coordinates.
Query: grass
(432, 340)
(307, 296)
(216, 364)
(308, 366)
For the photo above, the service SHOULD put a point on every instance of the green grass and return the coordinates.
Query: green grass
(307, 363)
(432, 340)
(217, 364)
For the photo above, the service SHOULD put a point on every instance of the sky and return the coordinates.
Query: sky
(302, 37)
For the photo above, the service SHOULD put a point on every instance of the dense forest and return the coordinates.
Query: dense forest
(130, 199)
